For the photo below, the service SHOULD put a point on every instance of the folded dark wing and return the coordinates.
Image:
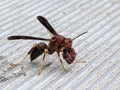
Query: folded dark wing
(46, 24)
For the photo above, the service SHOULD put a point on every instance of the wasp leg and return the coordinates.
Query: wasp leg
(20, 61)
(43, 60)
(61, 61)
(42, 63)
(79, 61)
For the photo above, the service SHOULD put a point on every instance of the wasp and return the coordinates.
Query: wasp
(58, 43)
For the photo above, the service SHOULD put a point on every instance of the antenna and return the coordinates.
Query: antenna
(79, 35)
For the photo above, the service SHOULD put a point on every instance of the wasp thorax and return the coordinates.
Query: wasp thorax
(55, 42)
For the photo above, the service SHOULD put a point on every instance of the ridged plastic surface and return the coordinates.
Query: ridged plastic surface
(100, 47)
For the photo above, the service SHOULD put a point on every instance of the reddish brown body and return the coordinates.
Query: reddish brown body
(57, 43)
(61, 44)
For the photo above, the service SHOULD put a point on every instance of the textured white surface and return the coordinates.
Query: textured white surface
(100, 47)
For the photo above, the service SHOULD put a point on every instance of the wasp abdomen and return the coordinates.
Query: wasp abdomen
(37, 50)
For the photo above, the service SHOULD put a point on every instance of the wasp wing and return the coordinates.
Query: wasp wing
(45, 23)
(27, 38)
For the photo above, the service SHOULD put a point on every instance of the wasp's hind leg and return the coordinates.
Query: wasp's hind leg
(41, 65)
(22, 59)
(36, 51)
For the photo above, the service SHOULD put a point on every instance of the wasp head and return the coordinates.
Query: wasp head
(69, 55)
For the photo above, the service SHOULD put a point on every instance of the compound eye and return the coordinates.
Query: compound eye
(69, 41)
